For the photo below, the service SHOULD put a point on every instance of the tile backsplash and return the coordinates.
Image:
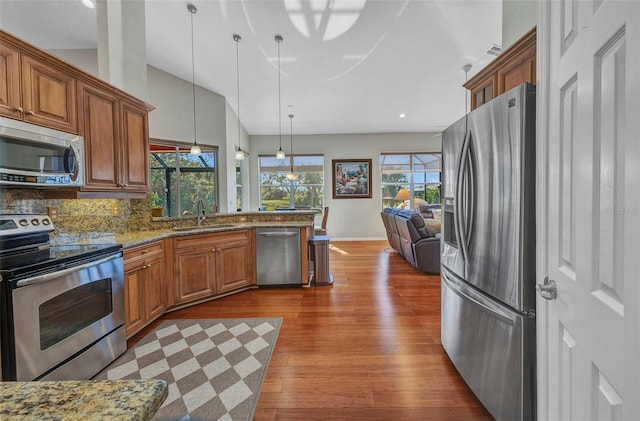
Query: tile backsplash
(81, 215)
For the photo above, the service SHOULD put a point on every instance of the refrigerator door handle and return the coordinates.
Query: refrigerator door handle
(462, 193)
(470, 193)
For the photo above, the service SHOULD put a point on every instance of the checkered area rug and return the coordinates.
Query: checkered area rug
(214, 367)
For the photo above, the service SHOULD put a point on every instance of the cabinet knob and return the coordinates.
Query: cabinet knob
(30, 112)
(213, 249)
(145, 251)
(218, 250)
(20, 109)
(144, 267)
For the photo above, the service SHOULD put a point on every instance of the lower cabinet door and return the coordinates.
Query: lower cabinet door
(234, 267)
(196, 275)
(133, 295)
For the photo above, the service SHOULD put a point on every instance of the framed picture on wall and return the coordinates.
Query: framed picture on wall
(351, 178)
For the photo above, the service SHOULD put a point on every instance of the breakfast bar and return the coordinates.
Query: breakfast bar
(82, 400)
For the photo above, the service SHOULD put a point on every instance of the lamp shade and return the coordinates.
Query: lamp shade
(402, 195)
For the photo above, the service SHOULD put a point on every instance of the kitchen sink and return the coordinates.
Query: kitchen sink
(202, 227)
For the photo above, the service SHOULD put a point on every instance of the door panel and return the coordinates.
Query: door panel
(588, 201)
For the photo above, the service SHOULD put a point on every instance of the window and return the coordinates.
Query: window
(179, 179)
(240, 176)
(420, 173)
(277, 191)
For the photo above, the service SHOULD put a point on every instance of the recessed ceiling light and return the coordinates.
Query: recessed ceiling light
(88, 4)
(402, 115)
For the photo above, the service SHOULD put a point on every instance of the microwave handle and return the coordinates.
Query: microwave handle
(67, 163)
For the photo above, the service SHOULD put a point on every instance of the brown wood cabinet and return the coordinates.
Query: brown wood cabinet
(42, 89)
(35, 91)
(144, 285)
(116, 141)
(211, 264)
(516, 65)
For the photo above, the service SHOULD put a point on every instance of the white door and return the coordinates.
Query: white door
(588, 174)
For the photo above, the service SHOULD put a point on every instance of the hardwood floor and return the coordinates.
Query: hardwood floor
(366, 348)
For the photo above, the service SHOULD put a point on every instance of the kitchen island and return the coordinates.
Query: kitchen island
(82, 400)
(170, 263)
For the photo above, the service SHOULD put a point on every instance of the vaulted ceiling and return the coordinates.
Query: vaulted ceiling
(347, 66)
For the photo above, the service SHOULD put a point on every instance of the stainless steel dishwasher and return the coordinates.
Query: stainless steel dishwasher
(278, 260)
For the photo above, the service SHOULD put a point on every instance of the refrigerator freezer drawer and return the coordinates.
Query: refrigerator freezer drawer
(492, 347)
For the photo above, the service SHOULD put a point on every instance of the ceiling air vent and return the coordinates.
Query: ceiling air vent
(494, 50)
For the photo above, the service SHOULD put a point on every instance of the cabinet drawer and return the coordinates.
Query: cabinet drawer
(199, 241)
(143, 250)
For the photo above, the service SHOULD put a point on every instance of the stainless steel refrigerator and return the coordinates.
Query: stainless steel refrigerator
(488, 252)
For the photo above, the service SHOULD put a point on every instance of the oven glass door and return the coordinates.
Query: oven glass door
(74, 310)
(58, 315)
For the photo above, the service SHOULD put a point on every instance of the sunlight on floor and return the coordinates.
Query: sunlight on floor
(339, 250)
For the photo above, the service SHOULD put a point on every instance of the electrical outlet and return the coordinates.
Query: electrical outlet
(115, 210)
(53, 212)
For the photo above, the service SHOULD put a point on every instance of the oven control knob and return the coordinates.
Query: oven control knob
(35, 222)
(46, 222)
(23, 222)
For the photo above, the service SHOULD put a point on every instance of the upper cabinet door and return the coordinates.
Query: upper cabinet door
(135, 147)
(100, 128)
(48, 95)
(10, 105)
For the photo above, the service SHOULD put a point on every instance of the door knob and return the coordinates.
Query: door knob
(548, 290)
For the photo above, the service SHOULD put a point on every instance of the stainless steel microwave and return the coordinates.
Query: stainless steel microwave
(35, 156)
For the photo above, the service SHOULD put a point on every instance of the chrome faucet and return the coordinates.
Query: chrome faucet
(201, 212)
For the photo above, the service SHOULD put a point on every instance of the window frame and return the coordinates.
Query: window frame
(182, 147)
(410, 183)
(292, 185)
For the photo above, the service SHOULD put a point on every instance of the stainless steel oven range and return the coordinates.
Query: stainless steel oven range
(61, 306)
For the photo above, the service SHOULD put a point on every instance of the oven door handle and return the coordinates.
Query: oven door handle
(53, 275)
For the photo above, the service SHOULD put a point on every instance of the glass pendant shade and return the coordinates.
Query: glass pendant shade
(239, 154)
(195, 149)
(280, 154)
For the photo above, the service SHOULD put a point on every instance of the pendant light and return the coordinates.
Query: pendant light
(280, 154)
(292, 175)
(195, 149)
(237, 38)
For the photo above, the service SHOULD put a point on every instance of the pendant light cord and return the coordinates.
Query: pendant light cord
(291, 140)
(237, 40)
(193, 78)
(278, 41)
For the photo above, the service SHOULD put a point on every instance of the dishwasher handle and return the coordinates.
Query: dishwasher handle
(278, 234)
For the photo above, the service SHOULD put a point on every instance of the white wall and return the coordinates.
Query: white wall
(518, 17)
(85, 59)
(232, 143)
(348, 218)
(173, 120)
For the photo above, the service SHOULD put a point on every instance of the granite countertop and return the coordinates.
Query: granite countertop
(136, 238)
(135, 400)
